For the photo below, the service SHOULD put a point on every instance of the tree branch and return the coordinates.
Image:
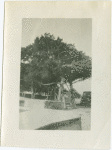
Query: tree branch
(47, 83)
(77, 80)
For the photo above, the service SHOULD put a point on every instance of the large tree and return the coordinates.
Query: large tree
(49, 61)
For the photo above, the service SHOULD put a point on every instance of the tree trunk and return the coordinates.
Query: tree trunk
(54, 93)
(63, 100)
(59, 93)
(71, 86)
(60, 90)
(32, 91)
(72, 98)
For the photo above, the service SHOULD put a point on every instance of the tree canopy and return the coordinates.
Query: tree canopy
(45, 62)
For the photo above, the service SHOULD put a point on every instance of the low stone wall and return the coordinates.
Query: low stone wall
(21, 103)
(40, 97)
(72, 124)
(54, 105)
(25, 102)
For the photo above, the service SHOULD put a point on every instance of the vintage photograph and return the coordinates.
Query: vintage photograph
(55, 74)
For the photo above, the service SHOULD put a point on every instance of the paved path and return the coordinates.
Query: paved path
(86, 121)
(34, 115)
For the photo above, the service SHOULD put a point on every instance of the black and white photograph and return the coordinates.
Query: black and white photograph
(56, 73)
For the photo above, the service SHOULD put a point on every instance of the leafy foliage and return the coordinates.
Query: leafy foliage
(48, 60)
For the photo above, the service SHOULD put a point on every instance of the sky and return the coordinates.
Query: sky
(72, 31)
(81, 86)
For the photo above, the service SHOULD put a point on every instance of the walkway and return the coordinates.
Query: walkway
(34, 115)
